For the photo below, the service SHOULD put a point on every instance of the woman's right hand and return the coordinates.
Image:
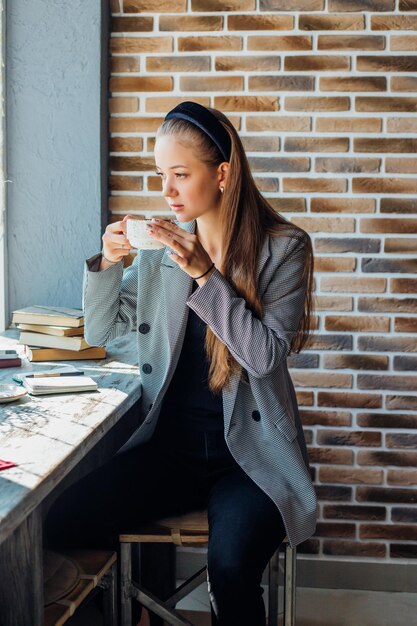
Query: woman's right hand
(114, 238)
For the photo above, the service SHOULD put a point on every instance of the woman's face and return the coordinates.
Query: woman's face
(188, 185)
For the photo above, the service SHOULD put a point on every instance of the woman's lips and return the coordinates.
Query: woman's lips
(177, 207)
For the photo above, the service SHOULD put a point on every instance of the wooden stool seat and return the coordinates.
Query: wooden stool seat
(90, 569)
(191, 529)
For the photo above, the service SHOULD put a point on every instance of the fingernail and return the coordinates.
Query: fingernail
(154, 219)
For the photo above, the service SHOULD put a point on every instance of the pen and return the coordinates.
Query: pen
(58, 374)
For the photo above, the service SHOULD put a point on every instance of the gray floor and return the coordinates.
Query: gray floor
(315, 607)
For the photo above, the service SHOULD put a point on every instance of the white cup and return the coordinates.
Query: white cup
(139, 237)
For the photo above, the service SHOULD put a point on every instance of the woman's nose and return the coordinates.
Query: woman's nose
(168, 189)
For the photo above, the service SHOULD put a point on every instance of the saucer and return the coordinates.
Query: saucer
(9, 393)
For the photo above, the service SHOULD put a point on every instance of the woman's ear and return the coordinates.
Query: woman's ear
(223, 171)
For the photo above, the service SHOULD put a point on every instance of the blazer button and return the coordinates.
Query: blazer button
(256, 416)
(147, 369)
(144, 328)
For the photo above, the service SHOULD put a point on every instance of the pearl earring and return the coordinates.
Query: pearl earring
(221, 189)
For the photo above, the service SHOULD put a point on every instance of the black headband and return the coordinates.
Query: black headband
(206, 121)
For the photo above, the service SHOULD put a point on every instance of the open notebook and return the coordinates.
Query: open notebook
(59, 384)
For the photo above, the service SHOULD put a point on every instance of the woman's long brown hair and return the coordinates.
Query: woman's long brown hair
(245, 219)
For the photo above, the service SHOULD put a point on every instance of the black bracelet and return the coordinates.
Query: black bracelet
(196, 277)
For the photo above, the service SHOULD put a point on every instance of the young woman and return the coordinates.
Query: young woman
(216, 312)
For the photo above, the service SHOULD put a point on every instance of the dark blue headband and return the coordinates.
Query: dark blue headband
(206, 121)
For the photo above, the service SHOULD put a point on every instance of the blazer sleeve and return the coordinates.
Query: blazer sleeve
(109, 301)
(259, 346)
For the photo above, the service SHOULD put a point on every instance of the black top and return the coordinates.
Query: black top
(188, 400)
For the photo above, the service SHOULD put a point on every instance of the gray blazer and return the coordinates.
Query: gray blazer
(262, 426)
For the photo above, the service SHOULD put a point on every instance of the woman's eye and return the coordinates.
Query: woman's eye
(177, 175)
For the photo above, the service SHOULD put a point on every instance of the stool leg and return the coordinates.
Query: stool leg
(110, 597)
(125, 583)
(290, 585)
(273, 589)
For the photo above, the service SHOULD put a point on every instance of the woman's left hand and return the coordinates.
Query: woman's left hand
(189, 253)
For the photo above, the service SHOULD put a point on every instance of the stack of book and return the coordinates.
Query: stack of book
(54, 334)
(9, 358)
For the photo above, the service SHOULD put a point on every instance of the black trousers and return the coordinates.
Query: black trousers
(175, 472)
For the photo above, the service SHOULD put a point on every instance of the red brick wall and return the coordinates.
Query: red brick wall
(323, 93)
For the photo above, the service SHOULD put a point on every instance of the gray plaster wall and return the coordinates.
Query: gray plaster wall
(54, 134)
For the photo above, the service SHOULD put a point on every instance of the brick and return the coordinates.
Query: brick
(331, 303)
(342, 244)
(349, 400)
(281, 83)
(290, 205)
(389, 265)
(388, 225)
(326, 418)
(125, 183)
(352, 165)
(303, 360)
(385, 494)
(316, 144)
(131, 24)
(246, 103)
(278, 123)
(141, 83)
(387, 344)
(369, 103)
(134, 204)
(247, 63)
(116, 6)
(292, 5)
(319, 379)
(386, 420)
(386, 63)
(401, 402)
(314, 63)
(305, 398)
(402, 125)
(351, 42)
(384, 185)
(383, 457)
(348, 125)
(334, 264)
(331, 22)
(354, 83)
(279, 42)
(402, 477)
(330, 342)
(164, 104)
(350, 476)
(326, 224)
(356, 362)
(405, 245)
(404, 83)
(403, 43)
(311, 546)
(134, 124)
(361, 5)
(154, 183)
(349, 438)
(190, 23)
(260, 22)
(178, 64)
(334, 493)
(406, 363)
(354, 548)
(327, 529)
(397, 383)
(398, 205)
(403, 551)
(387, 305)
(129, 45)
(317, 103)
(314, 185)
(124, 64)
(404, 514)
(279, 164)
(401, 440)
(186, 44)
(350, 323)
(260, 144)
(266, 183)
(130, 164)
(400, 144)
(211, 83)
(123, 105)
(341, 205)
(385, 531)
(407, 5)
(402, 166)
(148, 6)
(406, 324)
(223, 5)
(330, 455)
(340, 284)
(126, 144)
(393, 22)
